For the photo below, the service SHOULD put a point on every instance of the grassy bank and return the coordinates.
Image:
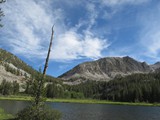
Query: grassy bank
(4, 116)
(13, 97)
(92, 101)
(83, 101)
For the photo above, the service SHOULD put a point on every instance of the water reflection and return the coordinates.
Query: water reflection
(13, 106)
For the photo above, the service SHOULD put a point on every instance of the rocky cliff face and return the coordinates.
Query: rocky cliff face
(107, 69)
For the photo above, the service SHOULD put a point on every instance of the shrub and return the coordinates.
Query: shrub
(77, 95)
(40, 112)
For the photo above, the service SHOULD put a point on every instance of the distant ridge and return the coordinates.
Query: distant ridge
(106, 69)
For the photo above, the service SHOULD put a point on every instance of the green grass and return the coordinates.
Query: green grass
(93, 101)
(14, 97)
(4, 116)
(83, 101)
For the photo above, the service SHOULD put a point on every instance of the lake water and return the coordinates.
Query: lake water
(75, 111)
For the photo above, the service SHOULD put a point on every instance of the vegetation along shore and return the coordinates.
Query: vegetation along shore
(82, 101)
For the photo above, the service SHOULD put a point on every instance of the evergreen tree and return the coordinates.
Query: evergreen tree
(15, 87)
(5, 88)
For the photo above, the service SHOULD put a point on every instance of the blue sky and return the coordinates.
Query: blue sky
(85, 30)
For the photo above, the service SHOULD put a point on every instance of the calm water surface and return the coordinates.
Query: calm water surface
(75, 111)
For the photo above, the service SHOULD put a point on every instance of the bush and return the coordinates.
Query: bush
(38, 113)
(77, 95)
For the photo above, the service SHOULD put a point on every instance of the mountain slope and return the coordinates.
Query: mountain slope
(7, 57)
(156, 65)
(107, 69)
(14, 69)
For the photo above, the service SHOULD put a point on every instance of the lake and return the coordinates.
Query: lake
(75, 111)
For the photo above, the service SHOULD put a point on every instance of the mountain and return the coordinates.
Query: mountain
(104, 69)
(14, 69)
(108, 68)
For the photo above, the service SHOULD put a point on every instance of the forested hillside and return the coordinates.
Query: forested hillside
(15, 75)
(132, 88)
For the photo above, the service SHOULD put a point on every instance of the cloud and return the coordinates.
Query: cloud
(150, 33)
(92, 13)
(75, 45)
(71, 45)
(116, 6)
(28, 27)
(123, 2)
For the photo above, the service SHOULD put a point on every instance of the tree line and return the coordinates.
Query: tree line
(132, 88)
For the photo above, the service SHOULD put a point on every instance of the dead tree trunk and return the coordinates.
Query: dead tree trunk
(49, 50)
(41, 82)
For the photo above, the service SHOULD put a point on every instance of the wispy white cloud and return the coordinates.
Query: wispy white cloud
(23, 24)
(122, 2)
(150, 33)
(92, 13)
(118, 5)
(28, 26)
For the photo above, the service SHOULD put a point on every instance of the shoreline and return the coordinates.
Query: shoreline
(81, 101)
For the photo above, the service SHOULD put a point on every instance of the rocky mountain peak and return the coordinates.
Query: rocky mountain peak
(107, 68)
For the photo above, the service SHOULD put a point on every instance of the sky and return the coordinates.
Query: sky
(84, 30)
